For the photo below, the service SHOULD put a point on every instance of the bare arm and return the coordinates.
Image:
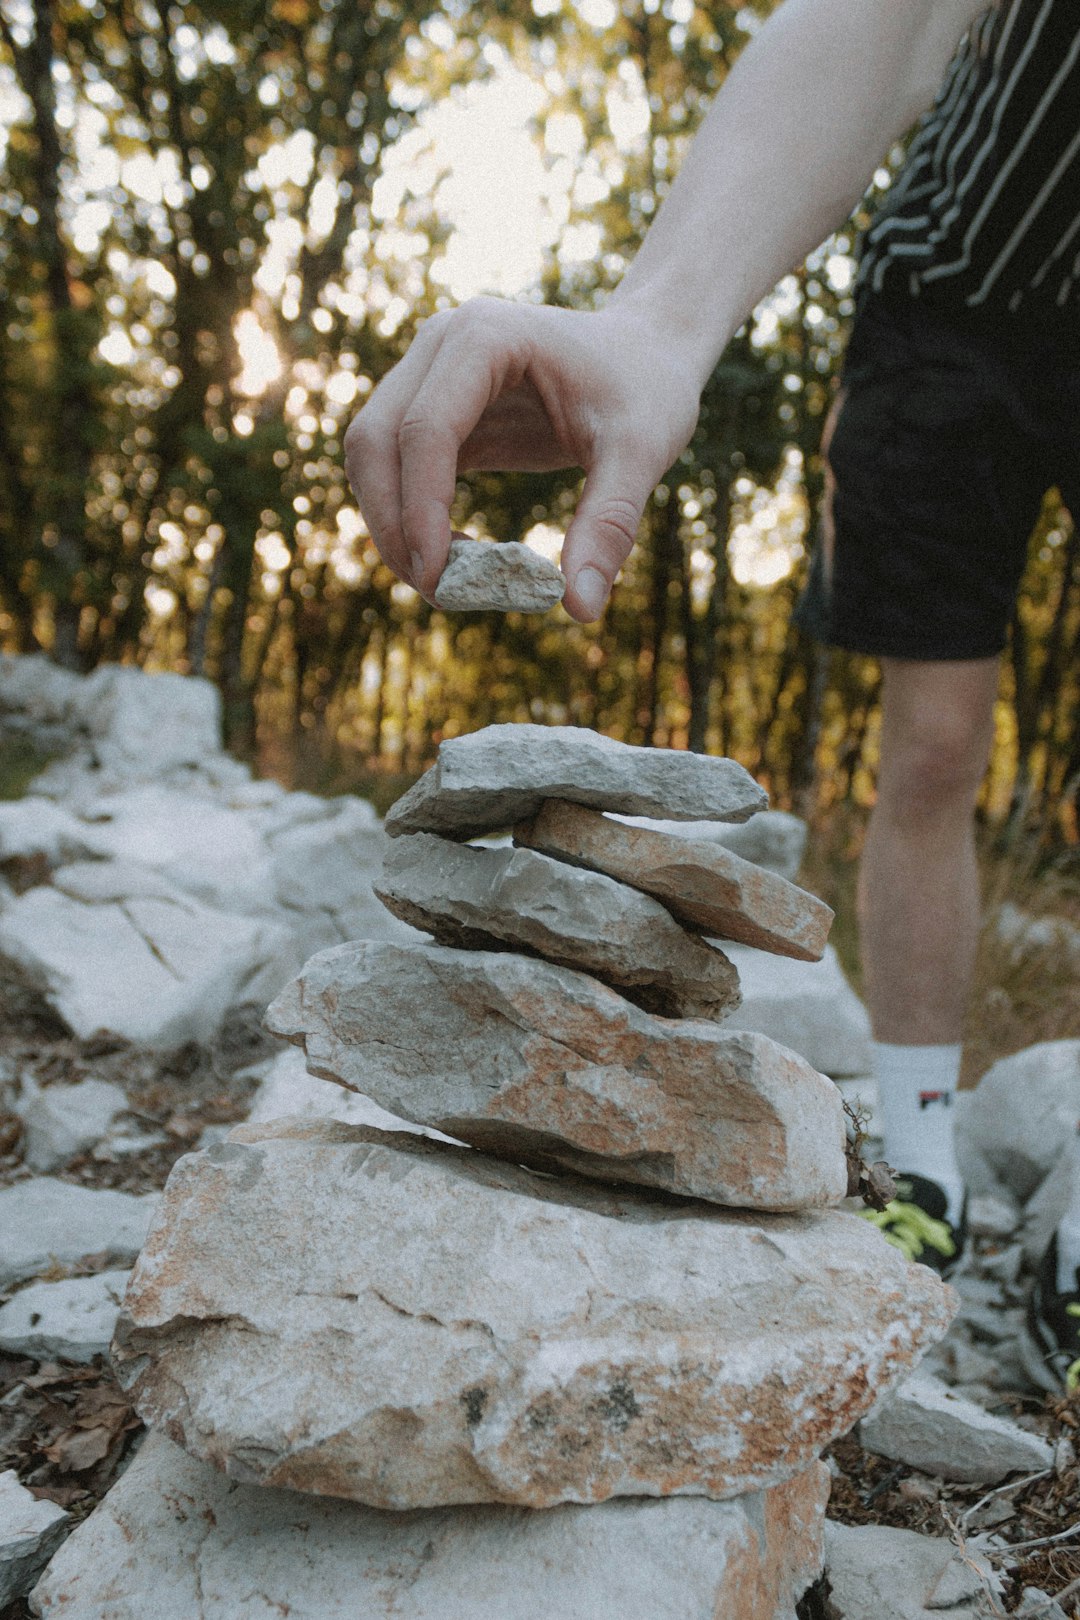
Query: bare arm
(788, 146)
(786, 150)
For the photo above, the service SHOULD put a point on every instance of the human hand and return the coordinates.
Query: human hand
(501, 386)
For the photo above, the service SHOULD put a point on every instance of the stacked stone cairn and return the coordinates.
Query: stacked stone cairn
(621, 1292)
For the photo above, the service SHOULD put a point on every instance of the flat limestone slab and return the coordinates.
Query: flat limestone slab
(45, 1221)
(30, 1531)
(388, 1319)
(486, 899)
(176, 1540)
(545, 1066)
(500, 775)
(701, 882)
(507, 577)
(74, 1318)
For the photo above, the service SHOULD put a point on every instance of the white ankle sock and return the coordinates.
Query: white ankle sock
(1069, 1227)
(916, 1086)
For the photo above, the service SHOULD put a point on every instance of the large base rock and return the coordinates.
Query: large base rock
(406, 1324)
(502, 774)
(544, 1066)
(176, 1540)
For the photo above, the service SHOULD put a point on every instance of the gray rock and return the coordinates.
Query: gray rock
(507, 577)
(429, 1326)
(1015, 1124)
(1044, 1209)
(158, 972)
(288, 1090)
(808, 1006)
(705, 885)
(60, 1121)
(933, 1428)
(176, 1540)
(485, 899)
(878, 1573)
(47, 1222)
(493, 778)
(32, 826)
(30, 1532)
(74, 1318)
(545, 1066)
(143, 725)
(992, 1217)
(1039, 1605)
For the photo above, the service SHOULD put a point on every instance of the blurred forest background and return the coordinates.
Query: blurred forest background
(223, 223)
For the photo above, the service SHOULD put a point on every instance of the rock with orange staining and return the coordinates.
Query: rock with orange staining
(543, 1065)
(176, 1540)
(484, 899)
(407, 1324)
(700, 881)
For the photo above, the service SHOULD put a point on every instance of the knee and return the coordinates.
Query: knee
(934, 764)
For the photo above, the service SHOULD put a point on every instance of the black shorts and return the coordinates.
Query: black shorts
(945, 437)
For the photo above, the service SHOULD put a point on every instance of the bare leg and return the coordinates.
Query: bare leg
(918, 884)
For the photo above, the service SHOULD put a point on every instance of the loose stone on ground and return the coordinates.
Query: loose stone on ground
(483, 899)
(47, 1222)
(544, 1065)
(490, 779)
(74, 1318)
(473, 1332)
(506, 577)
(935, 1429)
(177, 1540)
(30, 1532)
(876, 1572)
(699, 880)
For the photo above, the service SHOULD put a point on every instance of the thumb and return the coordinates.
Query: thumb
(603, 531)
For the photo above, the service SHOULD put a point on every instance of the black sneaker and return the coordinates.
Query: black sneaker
(917, 1223)
(1051, 1343)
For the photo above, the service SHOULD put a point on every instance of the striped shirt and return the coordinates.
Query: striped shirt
(985, 213)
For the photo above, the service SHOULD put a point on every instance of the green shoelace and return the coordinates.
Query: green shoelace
(911, 1230)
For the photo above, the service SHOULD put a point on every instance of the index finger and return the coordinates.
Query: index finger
(473, 364)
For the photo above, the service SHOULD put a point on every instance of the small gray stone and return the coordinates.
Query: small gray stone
(879, 1573)
(992, 1217)
(490, 779)
(60, 1121)
(507, 578)
(1039, 1605)
(938, 1431)
(30, 1532)
(175, 1540)
(74, 1318)
(46, 1222)
(484, 899)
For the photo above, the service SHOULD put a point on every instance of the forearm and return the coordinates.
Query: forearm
(786, 150)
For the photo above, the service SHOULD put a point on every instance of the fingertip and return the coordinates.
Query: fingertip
(587, 594)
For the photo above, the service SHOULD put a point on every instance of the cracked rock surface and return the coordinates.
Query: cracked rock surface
(491, 898)
(176, 1540)
(539, 1064)
(492, 778)
(429, 1326)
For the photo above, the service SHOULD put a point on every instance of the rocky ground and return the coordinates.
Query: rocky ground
(960, 1496)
